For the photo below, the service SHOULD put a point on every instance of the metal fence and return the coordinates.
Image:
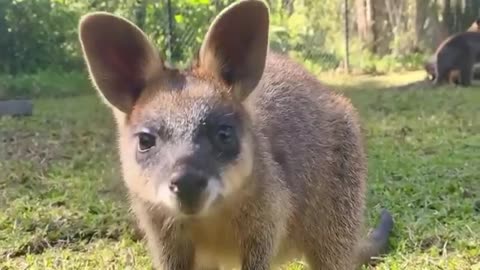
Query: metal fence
(344, 35)
(366, 35)
(181, 40)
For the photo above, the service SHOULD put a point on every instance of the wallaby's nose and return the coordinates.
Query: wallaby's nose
(188, 186)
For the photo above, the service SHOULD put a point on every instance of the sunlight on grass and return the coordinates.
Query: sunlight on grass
(367, 81)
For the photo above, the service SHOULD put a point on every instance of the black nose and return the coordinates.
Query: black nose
(188, 187)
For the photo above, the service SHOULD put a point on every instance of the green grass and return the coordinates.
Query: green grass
(62, 203)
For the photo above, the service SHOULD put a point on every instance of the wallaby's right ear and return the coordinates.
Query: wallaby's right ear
(119, 57)
(235, 47)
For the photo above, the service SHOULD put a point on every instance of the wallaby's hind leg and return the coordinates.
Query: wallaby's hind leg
(466, 74)
(330, 244)
(443, 67)
(441, 77)
(353, 256)
(328, 258)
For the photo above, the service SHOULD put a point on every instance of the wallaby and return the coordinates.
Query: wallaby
(430, 64)
(244, 159)
(460, 52)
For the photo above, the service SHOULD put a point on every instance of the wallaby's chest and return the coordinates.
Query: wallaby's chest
(216, 244)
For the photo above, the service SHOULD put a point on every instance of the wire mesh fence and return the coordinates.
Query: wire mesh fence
(290, 31)
(343, 35)
(340, 33)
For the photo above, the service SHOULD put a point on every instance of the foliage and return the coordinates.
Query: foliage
(36, 34)
(47, 83)
(42, 34)
(39, 35)
(373, 64)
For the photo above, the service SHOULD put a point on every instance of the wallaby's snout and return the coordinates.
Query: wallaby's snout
(191, 189)
(196, 154)
(188, 185)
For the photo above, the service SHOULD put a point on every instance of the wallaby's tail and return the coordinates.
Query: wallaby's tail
(376, 243)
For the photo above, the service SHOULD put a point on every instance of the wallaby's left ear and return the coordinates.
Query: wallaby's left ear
(119, 56)
(235, 47)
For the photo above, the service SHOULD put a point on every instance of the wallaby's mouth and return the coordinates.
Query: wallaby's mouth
(203, 205)
(191, 196)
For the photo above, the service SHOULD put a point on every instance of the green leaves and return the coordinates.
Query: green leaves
(41, 34)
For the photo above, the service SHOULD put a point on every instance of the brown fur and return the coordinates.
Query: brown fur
(297, 185)
(458, 52)
(454, 77)
(430, 64)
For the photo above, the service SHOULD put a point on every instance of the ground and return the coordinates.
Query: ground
(62, 203)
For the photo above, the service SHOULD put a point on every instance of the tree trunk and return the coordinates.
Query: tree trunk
(364, 23)
(288, 6)
(361, 18)
(381, 29)
(140, 12)
(459, 18)
(421, 15)
(448, 20)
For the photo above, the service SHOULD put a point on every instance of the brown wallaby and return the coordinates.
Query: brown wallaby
(430, 64)
(458, 52)
(244, 159)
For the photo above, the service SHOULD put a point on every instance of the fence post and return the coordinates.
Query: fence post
(170, 30)
(347, 49)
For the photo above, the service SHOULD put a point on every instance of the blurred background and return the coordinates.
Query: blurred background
(360, 36)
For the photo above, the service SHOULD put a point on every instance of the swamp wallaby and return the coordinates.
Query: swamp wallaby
(459, 52)
(452, 76)
(244, 159)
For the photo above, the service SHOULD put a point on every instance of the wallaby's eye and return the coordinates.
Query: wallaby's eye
(225, 136)
(146, 141)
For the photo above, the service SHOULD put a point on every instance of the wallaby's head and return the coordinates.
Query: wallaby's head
(186, 143)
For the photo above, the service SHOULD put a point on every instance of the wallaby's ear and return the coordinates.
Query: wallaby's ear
(235, 47)
(119, 57)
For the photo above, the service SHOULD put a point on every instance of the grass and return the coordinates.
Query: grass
(62, 203)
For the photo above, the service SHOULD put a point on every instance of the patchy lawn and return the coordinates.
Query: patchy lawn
(62, 203)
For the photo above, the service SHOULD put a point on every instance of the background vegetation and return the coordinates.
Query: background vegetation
(384, 35)
(62, 203)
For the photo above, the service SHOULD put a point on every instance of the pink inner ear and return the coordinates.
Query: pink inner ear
(120, 64)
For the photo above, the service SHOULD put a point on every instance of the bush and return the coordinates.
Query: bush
(47, 83)
(369, 63)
